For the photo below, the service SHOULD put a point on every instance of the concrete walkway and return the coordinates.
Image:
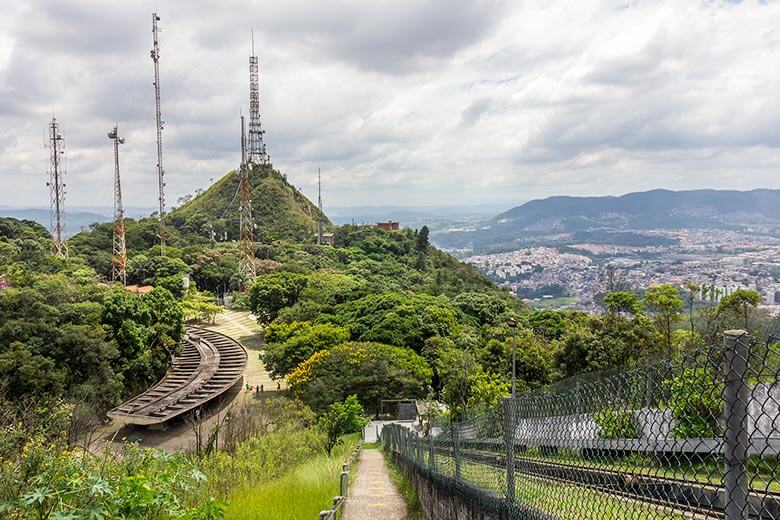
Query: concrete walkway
(373, 495)
(242, 327)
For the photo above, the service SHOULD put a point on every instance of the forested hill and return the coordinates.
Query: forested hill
(279, 210)
(650, 209)
(709, 209)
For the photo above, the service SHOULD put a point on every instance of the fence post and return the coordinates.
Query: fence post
(431, 461)
(344, 483)
(509, 444)
(456, 448)
(419, 444)
(736, 395)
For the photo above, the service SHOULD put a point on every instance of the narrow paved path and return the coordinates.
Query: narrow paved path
(373, 495)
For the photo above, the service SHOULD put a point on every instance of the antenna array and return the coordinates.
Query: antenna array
(319, 205)
(257, 151)
(158, 114)
(246, 261)
(57, 188)
(119, 251)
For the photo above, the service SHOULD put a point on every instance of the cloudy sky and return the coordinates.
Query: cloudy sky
(400, 101)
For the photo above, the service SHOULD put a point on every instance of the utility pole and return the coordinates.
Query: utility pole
(246, 262)
(119, 250)
(158, 115)
(319, 205)
(57, 189)
(257, 151)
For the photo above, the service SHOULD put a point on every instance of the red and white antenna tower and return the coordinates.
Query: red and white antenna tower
(246, 261)
(158, 114)
(119, 251)
(257, 151)
(57, 187)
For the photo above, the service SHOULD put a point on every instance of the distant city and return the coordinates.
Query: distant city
(572, 277)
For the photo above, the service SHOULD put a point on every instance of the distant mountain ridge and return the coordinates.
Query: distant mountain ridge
(651, 209)
(655, 209)
(75, 221)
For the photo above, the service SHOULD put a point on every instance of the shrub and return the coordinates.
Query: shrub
(342, 418)
(615, 424)
(696, 403)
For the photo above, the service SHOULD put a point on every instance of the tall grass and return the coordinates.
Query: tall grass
(302, 493)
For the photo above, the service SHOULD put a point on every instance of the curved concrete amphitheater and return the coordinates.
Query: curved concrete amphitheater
(210, 364)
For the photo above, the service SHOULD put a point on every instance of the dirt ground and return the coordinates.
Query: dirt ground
(179, 435)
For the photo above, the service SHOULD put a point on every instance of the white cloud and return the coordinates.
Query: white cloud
(403, 102)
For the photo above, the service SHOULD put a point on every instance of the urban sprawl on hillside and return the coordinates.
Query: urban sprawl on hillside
(573, 276)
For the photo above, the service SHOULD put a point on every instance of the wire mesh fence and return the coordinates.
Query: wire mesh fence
(696, 437)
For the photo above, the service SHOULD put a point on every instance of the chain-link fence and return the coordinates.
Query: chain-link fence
(697, 437)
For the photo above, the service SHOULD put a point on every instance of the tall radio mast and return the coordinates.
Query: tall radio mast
(319, 205)
(119, 250)
(160, 171)
(57, 188)
(257, 152)
(246, 262)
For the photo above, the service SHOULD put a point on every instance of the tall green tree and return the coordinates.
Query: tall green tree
(665, 305)
(288, 345)
(741, 303)
(372, 371)
(623, 303)
(273, 292)
(421, 242)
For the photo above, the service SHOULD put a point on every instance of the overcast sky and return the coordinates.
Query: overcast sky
(400, 101)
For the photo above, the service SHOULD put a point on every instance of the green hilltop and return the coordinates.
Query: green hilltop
(280, 211)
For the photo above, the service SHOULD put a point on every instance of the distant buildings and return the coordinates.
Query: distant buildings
(389, 225)
(715, 293)
(720, 262)
(327, 239)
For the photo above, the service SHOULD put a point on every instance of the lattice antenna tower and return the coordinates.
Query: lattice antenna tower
(119, 250)
(57, 188)
(246, 262)
(319, 205)
(257, 151)
(158, 115)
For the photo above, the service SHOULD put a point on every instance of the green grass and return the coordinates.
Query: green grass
(761, 471)
(554, 303)
(302, 493)
(557, 499)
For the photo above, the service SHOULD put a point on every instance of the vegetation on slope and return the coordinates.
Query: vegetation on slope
(380, 315)
(64, 334)
(47, 476)
(279, 209)
(300, 493)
